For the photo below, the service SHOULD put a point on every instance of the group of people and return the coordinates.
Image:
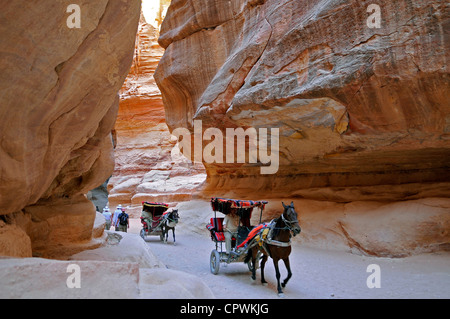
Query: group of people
(118, 219)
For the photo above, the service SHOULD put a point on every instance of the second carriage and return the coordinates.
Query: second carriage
(243, 210)
(154, 217)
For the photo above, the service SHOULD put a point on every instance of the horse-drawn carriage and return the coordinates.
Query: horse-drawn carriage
(242, 210)
(157, 220)
(253, 243)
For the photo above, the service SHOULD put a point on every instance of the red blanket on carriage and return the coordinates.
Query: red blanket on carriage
(255, 231)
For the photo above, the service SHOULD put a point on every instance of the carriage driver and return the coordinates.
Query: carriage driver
(230, 229)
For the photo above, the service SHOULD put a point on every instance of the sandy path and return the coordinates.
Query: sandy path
(316, 273)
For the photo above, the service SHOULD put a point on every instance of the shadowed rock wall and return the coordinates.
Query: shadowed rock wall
(59, 103)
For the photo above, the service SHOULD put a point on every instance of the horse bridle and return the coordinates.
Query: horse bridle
(288, 226)
(172, 213)
(287, 222)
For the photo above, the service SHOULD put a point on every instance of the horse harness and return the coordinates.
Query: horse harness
(270, 241)
(170, 222)
(164, 220)
(267, 240)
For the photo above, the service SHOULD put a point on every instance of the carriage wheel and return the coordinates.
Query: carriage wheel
(214, 262)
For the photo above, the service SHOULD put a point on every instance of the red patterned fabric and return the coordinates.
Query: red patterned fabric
(216, 228)
(219, 236)
(252, 234)
(224, 205)
(154, 204)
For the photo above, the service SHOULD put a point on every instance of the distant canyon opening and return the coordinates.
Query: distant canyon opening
(148, 163)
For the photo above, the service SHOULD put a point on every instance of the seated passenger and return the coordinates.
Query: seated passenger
(148, 218)
(230, 229)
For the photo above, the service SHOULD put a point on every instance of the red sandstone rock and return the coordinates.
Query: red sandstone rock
(355, 106)
(58, 91)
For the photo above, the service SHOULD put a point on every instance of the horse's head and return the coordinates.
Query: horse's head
(173, 216)
(289, 217)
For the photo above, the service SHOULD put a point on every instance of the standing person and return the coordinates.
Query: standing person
(123, 223)
(230, 229)
(108, 217)
(115, 217)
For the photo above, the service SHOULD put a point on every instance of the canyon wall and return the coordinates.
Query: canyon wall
(59, 102)
(361, 109)
(356, 107)
(147, 167)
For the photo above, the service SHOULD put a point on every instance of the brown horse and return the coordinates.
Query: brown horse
(277, 245)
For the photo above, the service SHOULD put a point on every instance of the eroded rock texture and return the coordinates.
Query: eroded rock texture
(363, 112)
(58, 92)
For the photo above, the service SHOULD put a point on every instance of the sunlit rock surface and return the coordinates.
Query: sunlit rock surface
(356, 107)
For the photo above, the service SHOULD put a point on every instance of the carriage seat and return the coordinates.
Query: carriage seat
(144, 223)
(216, 228)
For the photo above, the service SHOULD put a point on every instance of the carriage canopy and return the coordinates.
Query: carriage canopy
(240, 207)
(156, 209)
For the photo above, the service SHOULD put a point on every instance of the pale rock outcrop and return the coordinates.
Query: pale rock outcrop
(159, 283)
(98, 279)
(58, 93)
(124, 268)
(122, 247)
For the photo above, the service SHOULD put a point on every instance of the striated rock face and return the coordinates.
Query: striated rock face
(147, 168)
(59, 103)
(356, 107)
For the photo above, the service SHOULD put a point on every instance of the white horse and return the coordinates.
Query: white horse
(171, 220)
